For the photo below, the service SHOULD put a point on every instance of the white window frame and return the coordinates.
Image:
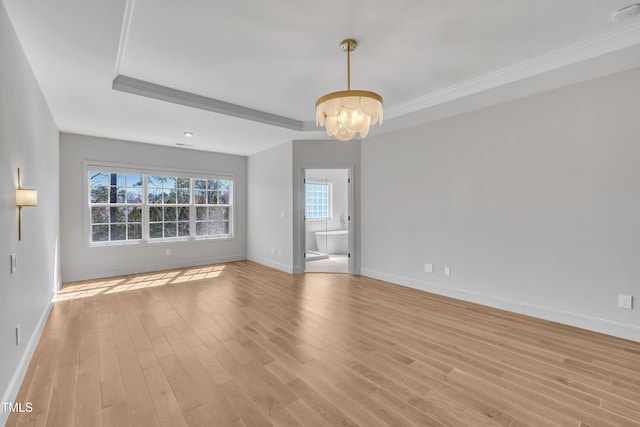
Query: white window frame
(146, 171)
(329, 185)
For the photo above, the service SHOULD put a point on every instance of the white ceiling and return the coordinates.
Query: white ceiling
(427, 58)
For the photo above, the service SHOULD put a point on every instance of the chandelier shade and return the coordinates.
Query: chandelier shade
(349, 112)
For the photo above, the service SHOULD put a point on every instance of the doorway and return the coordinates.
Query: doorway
(327, 234)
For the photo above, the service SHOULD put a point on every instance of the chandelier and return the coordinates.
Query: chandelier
(348, 112)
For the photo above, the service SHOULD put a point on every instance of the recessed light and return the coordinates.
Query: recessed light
(182, 144)
(626, 13)
(188, 134)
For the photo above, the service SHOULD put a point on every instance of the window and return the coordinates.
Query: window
(116, 206)
(169, 204)
(212, 206)
(317, 200)
(128, 206)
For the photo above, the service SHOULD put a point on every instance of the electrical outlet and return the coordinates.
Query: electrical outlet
(14, 263)
(447, 271)
(279, 252)
(167, 251)
(428, 268)
(273, 251)
(18, 336)
(625, 301)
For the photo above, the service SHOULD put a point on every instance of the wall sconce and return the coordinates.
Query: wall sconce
(24, 197)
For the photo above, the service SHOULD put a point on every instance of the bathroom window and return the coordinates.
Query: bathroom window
(318, 196)
(128, 206)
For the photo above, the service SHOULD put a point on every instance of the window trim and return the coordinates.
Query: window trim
(147, 171)
(329, 184)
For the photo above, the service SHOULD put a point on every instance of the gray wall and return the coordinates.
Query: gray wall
(340, 203)
(533, 204)
(29, 141)
(270, 208)
(319, 154)
(79, 261)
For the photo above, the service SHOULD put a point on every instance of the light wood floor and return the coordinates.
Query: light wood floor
(239, 344)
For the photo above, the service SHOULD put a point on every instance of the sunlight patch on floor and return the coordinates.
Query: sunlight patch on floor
(89, 288)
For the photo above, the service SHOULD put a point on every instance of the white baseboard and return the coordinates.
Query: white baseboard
(16, 381)
(605, 326)
(269, 263)
(74, 277)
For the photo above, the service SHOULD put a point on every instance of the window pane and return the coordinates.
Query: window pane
(122, 194)
(200, 184)
(134, 195)
(183, 229)
(183, 182)
(200, 197)
(201, 228)
(212, 184)
(170, 229)
(135, 231)
(98, 178)
(99, 215)
(113, 193)
(224, 197)
(169, 182)
(118, 232)
(201, 213)
(218, 227)
(212, 197)
(155, 231)
(100, 233)
(218, 213)
(135, 215)
(183, 197)
(154, 196)
(155, 214)
(154, 182)
(212, 228)
(134, 180)
(183, 213)
(99, 194)
(118, 214)
(169, 214)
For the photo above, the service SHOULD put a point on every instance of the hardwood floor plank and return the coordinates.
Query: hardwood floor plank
(217, 405)
(63, 397)
(318, 403)
(39, 395)
(166, 406)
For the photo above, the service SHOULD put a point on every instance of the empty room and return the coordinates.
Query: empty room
(353, 213)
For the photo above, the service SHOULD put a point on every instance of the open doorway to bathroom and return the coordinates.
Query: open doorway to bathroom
(327, 220)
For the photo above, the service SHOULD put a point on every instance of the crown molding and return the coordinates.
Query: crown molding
(163, 93)
(578, 52)
(124, 34)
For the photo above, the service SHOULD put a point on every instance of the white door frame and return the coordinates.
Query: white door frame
(350, 214)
